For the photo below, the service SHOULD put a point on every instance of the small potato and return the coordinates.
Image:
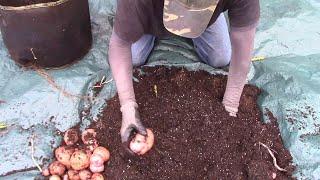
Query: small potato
(89, 138)
(54, 177)
(45, 172)
(96, 160)
(96, 163)
(56, 168)
(71, 137)
(138, 143)
(102, 151)
(73, 175)
(85, 174)
(97, 176)
(79, 160)
(88, 135)
(141, 144)
(96, 169)
(63, 155)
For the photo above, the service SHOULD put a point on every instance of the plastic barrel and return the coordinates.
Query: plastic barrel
(46, 33)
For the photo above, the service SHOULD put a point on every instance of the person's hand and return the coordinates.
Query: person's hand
(231, 101)
(130, 121)
(231, 110)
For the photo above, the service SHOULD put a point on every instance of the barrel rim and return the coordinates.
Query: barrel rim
(33, 6)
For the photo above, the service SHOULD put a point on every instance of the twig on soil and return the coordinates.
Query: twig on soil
(155, 89)
(32, 154)
(273, 157)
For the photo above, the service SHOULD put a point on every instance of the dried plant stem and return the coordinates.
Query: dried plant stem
(273, 157)
(32, 154)
(52, 82)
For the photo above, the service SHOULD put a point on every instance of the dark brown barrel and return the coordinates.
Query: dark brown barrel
(48, 34)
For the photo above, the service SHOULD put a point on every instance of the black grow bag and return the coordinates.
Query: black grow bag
(46, 33)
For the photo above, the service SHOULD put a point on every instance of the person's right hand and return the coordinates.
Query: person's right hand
(130, 121)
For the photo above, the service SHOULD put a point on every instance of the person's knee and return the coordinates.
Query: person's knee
(138, 60)
(141, 50)
(219, 59)
(139, 57)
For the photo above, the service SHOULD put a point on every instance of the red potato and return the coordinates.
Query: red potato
(102, 151)
(96, 160)
(79, 160)
(73, 175)
(45, 172)
(96, 163)
(138, 143)
(97, 176)
(85, 175)
(56, 168)
(87, 135)
(96, 169)
(89, 138)
(54, 177)
(71, 137)
(141, 144)
(63, 155)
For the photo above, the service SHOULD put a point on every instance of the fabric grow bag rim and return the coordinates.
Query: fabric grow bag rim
(33, 6)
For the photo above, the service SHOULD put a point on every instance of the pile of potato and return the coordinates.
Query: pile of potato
(75, 161)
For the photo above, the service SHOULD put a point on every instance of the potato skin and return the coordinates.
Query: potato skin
(102, 151)
(56, 168)
(71, 137)
(85, 174)
(141, 144)
(63, 155)
(97, 176)
(79, 160)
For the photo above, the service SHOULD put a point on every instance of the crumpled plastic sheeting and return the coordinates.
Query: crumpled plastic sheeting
(292, 92)
(289, 37)
(289, 76)
(34, 107)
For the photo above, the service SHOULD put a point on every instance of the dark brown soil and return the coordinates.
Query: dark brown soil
(194, 137)
(17, 3)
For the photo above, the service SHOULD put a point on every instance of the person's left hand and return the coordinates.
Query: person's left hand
(232, 110)
(231, 100)
(131, 121)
